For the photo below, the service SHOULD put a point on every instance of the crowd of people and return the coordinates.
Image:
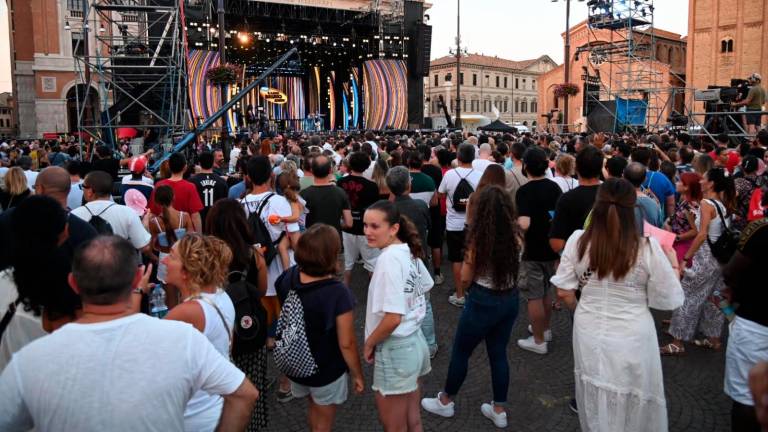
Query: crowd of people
(162, 295)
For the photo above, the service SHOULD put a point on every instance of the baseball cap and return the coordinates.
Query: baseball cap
(136, 201)
(138, 164)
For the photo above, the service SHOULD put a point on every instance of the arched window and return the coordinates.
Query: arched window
(723, 46)
(534, 106)
(517, 105)
(524, 106)
(730, 45)
(506, 104)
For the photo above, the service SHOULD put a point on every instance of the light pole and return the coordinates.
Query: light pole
(567, 60)
(458, 53)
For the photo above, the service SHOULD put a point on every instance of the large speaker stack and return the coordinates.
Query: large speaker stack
(419, 51)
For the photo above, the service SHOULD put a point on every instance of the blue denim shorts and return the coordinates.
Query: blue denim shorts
(400, 362)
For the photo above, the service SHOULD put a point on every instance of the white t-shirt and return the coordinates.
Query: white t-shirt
(481, 164)
(131, 374)
(276, 205)
(31, 178)
(23, 328)
(75, 197)
(566, 183)
(454, 220)
(144, 180)
(124, 221)
(398, 285)
(204, 410)
(233, 155)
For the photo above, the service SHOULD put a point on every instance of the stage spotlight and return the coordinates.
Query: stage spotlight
(244, 38)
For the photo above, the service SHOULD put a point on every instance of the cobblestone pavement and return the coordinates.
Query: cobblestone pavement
(540, 386)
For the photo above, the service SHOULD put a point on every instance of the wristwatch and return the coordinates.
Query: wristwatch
(138, 291)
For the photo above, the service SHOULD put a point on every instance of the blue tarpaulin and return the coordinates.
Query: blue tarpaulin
(630, 112)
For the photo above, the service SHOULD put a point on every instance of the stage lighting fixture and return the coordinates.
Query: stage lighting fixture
(244, 38)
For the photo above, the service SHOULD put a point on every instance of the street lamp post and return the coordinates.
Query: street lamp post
(458, 64)
(567, 60)
(222, 41)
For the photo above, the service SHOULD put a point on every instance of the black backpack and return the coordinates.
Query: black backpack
(725, 245)
(98, 223)
(261, 232)
(250, 316)
(461, 195)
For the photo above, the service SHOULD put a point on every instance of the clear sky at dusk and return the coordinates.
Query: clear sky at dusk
(523, 29)
(513, 29)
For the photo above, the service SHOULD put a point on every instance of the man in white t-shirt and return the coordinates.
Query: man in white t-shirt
(115, 370)
(455, 220)
(260, 172)
(97, 190)
(484, 158)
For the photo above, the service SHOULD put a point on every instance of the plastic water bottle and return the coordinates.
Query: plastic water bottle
(157, 306)
(725, 306)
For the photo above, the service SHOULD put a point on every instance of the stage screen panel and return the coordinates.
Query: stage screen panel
(204, 98)
(385, 90)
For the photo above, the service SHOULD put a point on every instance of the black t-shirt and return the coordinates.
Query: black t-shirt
(572, 210)
(325, 205)
(323, 301)
(361, 193)
(748, 289)
(436, 174)
(108, 165)
(418, 212)
(210, 188)
(536, 199)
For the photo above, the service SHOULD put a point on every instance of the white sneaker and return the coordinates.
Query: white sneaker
(439, 279)
(456, 301)
(436, 407)
(529, 344)
(499, 420)
(547, 334)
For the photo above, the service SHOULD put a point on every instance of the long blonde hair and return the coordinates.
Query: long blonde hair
(16, 181)
(205, 259)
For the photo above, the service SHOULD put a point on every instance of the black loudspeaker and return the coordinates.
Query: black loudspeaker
(423, 50)
(602, 117)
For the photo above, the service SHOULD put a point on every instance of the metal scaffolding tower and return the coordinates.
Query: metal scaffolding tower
(635, 81)
(133, 58)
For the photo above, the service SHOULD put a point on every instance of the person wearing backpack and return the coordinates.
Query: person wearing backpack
(247, 284)
(328, 352)
(705, 275)
(108, 217)
(259, 205)
(456, 186)
(395, 309)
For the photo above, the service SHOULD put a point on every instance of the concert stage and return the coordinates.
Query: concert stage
(356, 68)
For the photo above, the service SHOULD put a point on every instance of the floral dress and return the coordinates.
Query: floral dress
(679, 224)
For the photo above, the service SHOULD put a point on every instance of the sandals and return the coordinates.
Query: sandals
(671, 349)
(706, 343)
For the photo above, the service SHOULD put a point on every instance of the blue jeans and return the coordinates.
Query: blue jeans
(428, 326)
(488, 315)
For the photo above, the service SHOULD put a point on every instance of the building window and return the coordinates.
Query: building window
(506, 105)
(524, 84)
(437, 80)
(487, 80)
(534, 106)
(78, 44)
(533, 83)
(517, 84)
(461, 78)
(726, 46)
(524, 106)
(517, 105)
(75, 5)
(505, 82)
(464, 105)
(474, 79)
(448, 77)
(498, 82)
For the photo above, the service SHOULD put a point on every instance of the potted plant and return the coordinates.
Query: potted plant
(222, 74)
(566, 89)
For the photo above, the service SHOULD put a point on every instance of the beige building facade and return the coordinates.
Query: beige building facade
(487, 82)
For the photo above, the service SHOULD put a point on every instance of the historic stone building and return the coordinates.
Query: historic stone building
(727, 39)
(658, 77)
(486, 82)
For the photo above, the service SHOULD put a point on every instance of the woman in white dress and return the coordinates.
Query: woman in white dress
(619, 383)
